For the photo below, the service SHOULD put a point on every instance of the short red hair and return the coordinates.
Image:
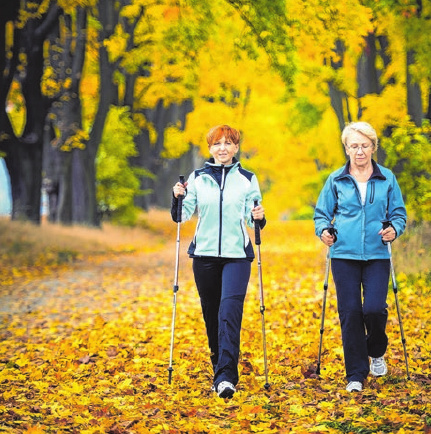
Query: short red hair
(216, 133)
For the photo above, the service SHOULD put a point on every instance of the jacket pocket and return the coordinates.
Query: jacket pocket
(245, 237)
(196, 232)
(373, 191)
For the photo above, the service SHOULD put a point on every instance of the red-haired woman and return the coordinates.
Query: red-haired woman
(224, 194)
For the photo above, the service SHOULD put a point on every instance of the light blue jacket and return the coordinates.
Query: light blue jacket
(358, 225)
(224, 197)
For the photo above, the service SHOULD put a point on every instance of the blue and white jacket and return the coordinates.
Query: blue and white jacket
(358, 225)
(224, 197)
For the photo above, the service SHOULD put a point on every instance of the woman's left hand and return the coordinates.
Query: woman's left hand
(388, 234)
(258, 212)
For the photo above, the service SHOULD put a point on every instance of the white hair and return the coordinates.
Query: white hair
(361, 127)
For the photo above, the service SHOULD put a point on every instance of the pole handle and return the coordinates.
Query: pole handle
(180, 201)
(332, 231)
(385, 225)
(256, 228)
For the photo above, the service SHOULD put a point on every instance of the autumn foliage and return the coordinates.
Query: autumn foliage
(85, 340)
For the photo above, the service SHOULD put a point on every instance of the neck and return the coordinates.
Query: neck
(361, 173)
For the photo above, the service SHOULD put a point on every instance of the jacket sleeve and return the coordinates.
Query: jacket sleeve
(189, 202)
(396, 213)
(254, 194)
(325, 207)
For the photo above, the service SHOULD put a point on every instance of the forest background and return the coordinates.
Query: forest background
(104, 104)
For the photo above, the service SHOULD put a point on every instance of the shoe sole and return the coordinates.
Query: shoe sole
(227, 393)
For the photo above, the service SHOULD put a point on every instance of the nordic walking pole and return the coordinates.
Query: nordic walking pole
(262, 304)
(177, 260)
(332, 231)
(386, 224)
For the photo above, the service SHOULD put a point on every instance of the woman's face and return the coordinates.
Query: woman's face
(223, 151)
(359, 148)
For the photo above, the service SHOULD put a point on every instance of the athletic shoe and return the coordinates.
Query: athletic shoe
(225, 389)
(378, 366)
(354, 386)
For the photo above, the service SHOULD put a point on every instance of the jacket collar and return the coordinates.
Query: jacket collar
(376, 171)
(212, 163)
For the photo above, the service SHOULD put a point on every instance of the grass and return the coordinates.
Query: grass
(412, 252)
(28, 250)
(26, 244)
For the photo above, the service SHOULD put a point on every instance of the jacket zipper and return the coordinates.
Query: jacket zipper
(223, 174)
(358, 193)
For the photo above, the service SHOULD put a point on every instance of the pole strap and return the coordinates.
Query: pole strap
(180, 202)
(256, 228)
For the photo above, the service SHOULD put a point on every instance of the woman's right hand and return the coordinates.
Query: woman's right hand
(179, 189)
(327, 238)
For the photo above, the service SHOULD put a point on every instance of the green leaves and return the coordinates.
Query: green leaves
(409, 154)
(117, 183)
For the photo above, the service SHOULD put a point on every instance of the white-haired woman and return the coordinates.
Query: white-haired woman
(357, 198)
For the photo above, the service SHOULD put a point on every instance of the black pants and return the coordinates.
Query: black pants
(363, 314)
(222, 286)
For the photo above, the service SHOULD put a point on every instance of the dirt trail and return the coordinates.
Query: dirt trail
(101, 286)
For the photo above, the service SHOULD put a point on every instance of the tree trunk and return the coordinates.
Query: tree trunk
(336, 95)
(428, 115)
(25, 168)
(165, 171)
(72, 176)
(414, 97)
(84, 202)
(366, 71)
(84, 172)
(62, 187)
(368, 76)
(24, 155)
(414, 94)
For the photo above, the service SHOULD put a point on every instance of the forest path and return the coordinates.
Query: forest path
(101, 285)
(85, 348)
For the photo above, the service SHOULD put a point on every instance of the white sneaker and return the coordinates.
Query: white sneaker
(354, 386)
(378, 366)
(225, 389)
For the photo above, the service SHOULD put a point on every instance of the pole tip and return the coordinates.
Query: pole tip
(170, 370)
(267, 386)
